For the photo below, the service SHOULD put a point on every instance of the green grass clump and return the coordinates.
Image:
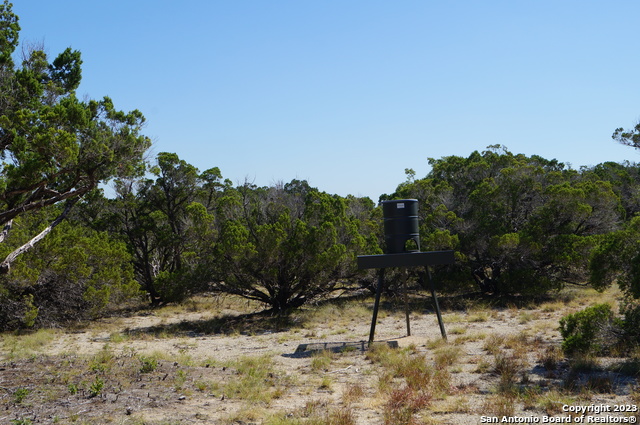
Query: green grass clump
(508, 366)
(256, 380)
(447, 356)
(322, 359)
(103, 360)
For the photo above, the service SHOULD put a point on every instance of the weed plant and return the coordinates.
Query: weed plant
(409, 382)
(478, 317)
(103, 360)
(600, 384)
(343, 416)
(403, 404)
(472, 337)
(551, 402)
(326, 383)
(96, 387)
(315, 412)
(21, 394)
(493, 343)
(148, 364)
(446, 356)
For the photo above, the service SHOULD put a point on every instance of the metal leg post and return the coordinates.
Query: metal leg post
(376, 305)
(437, 306)
(406, 301)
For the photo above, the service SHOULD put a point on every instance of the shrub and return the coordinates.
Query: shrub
(631, 324)
(74, 273)
(148, 364)
(96, 387)
(592, 330)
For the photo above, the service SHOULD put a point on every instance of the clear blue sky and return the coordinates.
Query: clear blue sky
(347, 94)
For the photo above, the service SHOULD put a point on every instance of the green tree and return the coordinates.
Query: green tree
(628, 137)
(74, 274)
(617, 259)
(519, 224)
(55, 147)
(288, 244)
(625, 180)
(168, 222)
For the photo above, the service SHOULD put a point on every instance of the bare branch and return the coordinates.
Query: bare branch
(8, 215)
(6, 264)
(5, 231)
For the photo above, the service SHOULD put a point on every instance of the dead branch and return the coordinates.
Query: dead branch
(6, 264)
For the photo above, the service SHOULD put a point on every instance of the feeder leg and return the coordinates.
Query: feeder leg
(435, 303)
(406, 302)
(376, 305)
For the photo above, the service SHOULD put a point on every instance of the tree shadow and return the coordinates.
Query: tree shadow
(618, 379)
(267, 321)
(245, 324)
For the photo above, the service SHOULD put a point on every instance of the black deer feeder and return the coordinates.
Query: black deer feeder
(402, 240)
(401, 230)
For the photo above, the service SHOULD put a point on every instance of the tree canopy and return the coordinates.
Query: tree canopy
(167, 221)
(54, 146)
(519, 224)
(288, 244)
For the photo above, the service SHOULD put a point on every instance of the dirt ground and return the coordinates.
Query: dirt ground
(319, 369)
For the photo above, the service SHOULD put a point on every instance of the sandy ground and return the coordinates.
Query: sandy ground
(292, 352)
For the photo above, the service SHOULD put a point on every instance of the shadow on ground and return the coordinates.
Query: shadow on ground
(308, 350)
(246, 324)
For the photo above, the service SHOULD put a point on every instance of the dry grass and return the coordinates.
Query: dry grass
(499, 405)
(550, 357)
(498, 361)
(446, 356)
(321, 360)
(27, 345)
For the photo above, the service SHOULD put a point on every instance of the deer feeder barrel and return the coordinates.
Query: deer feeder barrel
(401, 232)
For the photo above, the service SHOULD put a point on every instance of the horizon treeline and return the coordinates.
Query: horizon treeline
(518, 224)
